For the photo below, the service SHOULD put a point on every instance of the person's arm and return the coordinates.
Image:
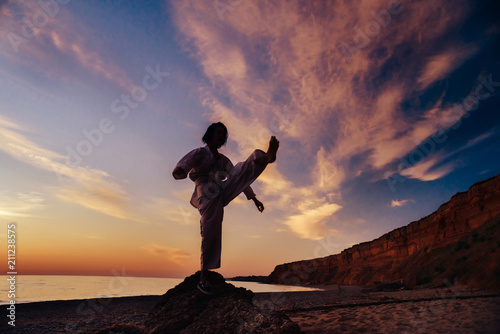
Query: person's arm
(258, 204)
(190, 160)
(251, 196)
(179, 173)
(248, 191)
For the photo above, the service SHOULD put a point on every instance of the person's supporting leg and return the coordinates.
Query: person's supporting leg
(212, 213)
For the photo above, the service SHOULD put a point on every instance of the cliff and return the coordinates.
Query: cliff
(460, 242)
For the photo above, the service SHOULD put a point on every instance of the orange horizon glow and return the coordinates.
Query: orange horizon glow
(383, 109)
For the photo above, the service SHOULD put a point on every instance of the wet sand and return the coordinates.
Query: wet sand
(344, 309)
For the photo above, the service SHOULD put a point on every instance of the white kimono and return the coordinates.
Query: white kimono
(217, 182)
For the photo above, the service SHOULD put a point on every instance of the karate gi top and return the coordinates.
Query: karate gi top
(205, 170)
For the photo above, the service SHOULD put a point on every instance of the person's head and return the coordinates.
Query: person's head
(216, 133)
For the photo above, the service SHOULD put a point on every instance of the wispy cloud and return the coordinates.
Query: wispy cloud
(310, 223)
(173, 254)
(102, 198)
(478, 139)
(263, 56)
(428, 170)
(396, 203)
(80, 185)
(20, 204)
(61, 35)
(438, 67)
(78, 48)
(174, 210)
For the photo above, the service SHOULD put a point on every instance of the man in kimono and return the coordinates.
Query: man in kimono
(218, 182)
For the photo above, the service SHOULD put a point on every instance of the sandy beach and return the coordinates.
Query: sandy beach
(344, 310)
(351, 310)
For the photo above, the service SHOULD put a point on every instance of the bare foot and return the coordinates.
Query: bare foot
(273, 148)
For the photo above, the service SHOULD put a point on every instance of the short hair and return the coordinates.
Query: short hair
(207, 137)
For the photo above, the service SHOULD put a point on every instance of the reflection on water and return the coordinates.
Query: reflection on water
(32, 288)
(261, 287)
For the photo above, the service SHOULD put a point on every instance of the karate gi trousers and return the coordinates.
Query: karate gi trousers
(216, 195)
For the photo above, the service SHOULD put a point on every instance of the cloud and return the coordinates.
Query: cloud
(428, 170)
(396, 203)
(477, 140)
(328, 174)
(77, 47)
(178, 211)
(60, 35)
(438, 67)
(80, 185)
(311, 223)
(102, 199)
(173, 254)
(345, 113)
(20, 204)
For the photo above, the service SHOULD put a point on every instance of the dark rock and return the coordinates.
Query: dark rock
(122, 329)
(388, 286)
(184, 309)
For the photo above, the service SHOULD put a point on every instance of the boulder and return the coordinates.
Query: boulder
(184, 309)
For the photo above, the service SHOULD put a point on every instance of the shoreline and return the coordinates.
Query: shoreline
(348, 309)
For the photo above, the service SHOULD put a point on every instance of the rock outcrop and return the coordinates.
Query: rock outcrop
(184, 309)
(423, 252)
(122, 329)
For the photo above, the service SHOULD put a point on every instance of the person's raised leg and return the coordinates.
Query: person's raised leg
(245, 173)
(270, 155)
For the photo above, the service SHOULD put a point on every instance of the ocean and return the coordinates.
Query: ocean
(35, 288)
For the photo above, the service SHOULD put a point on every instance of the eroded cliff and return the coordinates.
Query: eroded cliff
(424, 252)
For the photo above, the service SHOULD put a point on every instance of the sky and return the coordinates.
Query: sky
(384, 109)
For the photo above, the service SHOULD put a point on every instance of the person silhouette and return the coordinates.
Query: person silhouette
(217, 183)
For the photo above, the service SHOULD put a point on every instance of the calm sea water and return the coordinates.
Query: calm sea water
(33, 288)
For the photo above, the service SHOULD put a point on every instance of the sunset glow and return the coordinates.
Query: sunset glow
(384, 110)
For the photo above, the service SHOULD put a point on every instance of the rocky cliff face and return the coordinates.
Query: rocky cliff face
(405, 253)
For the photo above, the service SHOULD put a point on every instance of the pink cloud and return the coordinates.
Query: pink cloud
(59, 34)
(438, 67)
(266, 55)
